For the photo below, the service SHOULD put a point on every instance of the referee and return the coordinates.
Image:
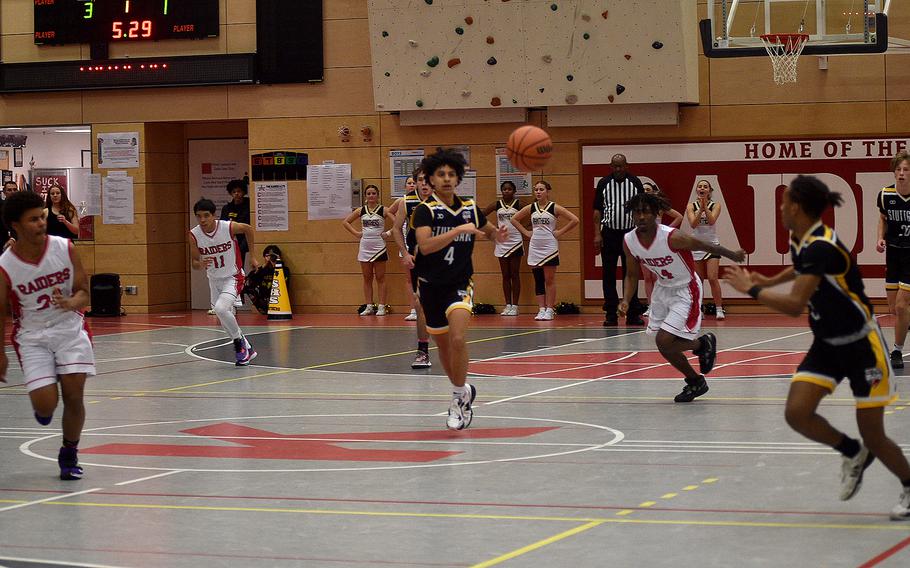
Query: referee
(611, 223)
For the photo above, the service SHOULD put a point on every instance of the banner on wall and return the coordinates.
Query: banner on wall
(118, 150)
(748, 178)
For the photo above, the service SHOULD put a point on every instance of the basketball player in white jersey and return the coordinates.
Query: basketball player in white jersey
(676, 300)
(215, 249)
(47, 289)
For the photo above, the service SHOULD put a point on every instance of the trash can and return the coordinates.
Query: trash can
(105, 295)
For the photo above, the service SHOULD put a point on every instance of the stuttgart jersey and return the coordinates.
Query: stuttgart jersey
(672, 267)
(896, 209)
(839, 308)
(452, 264)
(221, 247)
(31, 286)
(411, 201)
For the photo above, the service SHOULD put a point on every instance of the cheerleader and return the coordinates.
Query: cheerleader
(543, 248)
(702, 215)
(511, 250)
(675, 221)
(372, 255)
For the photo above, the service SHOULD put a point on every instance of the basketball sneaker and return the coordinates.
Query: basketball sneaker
(851, 472)
(707, 353)
(540, 314)
(368, 310)
(515, 310)
(507, 311)
(720, 313)
(44, 420)
(692, 391)
(245, 354)
(380, 310)
(460, 410)
(211, 312)
(68, 460)
(421, 361)
(897, 359)
(548, 314)
(411, 316)
(901, 511)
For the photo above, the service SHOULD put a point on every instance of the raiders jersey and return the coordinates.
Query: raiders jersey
(452, 264)
(839, 311)
(896, 209)
(221, 247)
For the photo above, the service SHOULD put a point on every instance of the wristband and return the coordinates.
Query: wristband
(754, 290)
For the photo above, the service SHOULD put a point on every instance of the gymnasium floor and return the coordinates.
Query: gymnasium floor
(330, 451)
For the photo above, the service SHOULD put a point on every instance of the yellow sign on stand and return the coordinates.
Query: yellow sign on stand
(280, 299)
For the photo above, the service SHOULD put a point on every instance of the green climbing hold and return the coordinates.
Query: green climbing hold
(586, 35)
(419, 102)
(459, 30)
(387, 74)
(554, 7)
(433, 61)
(385, 33)
(570, 77)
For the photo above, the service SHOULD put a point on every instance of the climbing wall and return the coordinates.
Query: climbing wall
(456, 54)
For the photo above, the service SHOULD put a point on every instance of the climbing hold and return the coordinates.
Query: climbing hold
(495, 101)
(585, 18)
(514, 101)
(586, 35)
(385, 33)
(466, 93)
(453, 62)
(429, 2)
(604, 14)
(433, 61)
(419, 103)
(571, 99)
(387, 74)
(570, 77)
(412, 43)
(619, 89)
(541, 89)
(547, 59)
(610, 98)
(657, 45)
(628, 57)
(425, 73)
(490, 40)
(459, 30)
(469, 20)
(491, 61)
(554, 7)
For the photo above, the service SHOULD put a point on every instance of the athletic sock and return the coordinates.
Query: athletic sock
(460, 392)
(70, 443)
(423, 346)
(238, 344)
(848, 446)
(898, 347)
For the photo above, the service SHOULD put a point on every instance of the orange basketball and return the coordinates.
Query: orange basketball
(529, 148)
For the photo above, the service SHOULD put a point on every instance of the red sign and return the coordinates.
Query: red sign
(748, 179)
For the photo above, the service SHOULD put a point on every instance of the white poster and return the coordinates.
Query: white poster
(505, 171)
(118, 150)
(328, 191)
(117, 199)
(271, 200)
(402, 164)
(92, 194)
(211, 165)
(468, 185)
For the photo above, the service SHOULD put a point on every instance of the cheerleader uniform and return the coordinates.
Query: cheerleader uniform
(372, 245)
(543, 250)
(512, 246)
(704, 231)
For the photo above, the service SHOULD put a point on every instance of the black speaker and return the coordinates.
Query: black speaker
(105, 295)
(289, 41)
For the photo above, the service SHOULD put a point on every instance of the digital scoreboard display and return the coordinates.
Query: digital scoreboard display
(59, 22)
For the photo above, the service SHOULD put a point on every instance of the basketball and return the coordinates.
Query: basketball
(529, 148)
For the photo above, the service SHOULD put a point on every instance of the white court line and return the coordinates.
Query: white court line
(561, 387)
(629, 355)
(190, 349)
(54, 498)
(138, 357)
(65, 563)
(146, 478)
(571, 343)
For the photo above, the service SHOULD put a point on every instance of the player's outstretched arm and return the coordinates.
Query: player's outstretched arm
(682, 241)
(4, 290)
(630, 285)
(791, 303)
(250, 234)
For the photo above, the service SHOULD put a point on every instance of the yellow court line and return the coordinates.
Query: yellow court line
(331, 364)
(624, 512)
(690, 487)
(709, 480)
(889, 526)
(648, 504)
(536, 545)
(668, 495)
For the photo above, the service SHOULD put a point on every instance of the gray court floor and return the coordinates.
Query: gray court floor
(332, 452)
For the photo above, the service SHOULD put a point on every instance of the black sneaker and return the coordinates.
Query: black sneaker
(691, 392)
(634, 320)
(897, 359)
(707, 353)
(611, 321)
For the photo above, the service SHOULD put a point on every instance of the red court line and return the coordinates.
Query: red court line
(886, 554)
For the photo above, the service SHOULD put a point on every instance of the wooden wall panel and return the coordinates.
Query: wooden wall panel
(829, 119)
(341, 48)
(344, 91)
(153, 105)
(27, 109)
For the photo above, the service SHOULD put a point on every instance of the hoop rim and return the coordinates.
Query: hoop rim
(785, 38)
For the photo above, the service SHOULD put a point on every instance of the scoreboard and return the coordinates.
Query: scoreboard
(59, 22)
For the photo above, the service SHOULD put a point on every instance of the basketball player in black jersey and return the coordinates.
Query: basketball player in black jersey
(847, 340)
(403, 210)
(446, 226)
(894, 240)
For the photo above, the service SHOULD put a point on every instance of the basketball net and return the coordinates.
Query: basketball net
(784, 50)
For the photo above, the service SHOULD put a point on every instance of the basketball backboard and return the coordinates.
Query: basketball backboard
(734, 27)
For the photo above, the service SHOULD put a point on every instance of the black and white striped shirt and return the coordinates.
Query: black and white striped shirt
(610, 197)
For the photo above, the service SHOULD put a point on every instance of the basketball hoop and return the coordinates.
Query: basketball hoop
(784, 50)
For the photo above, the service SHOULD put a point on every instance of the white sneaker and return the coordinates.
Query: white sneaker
(411, 316)
(211, 312)
(380, 311)
(548, 314)
(720, 314)
(851, 476)
(901, 511)
(368, 311)
(460, 410)
(514, 311)
(540, 314)
(647, 313)
(507, 311)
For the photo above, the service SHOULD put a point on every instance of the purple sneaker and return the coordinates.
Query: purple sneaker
(68, 460)
(245, 355)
